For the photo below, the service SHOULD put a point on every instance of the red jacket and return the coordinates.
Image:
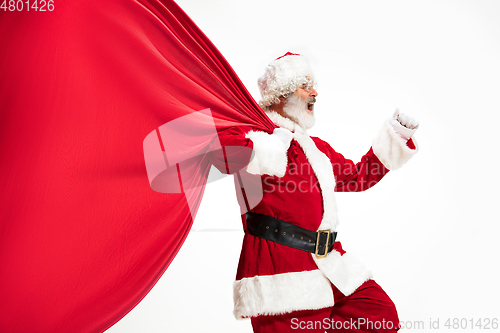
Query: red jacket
(296, 184)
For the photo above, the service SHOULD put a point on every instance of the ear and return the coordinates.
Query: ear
(278, 107)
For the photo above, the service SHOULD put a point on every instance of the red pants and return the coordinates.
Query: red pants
(368, 309)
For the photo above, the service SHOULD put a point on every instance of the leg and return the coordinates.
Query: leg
(368, 309)
(311, 321)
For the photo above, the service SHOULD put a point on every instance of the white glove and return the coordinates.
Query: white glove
(404, 125)
(284, 135)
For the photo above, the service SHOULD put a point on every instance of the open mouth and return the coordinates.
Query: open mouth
(310, 105)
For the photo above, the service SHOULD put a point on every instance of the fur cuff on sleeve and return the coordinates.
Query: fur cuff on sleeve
(391, 149)
(269, 156)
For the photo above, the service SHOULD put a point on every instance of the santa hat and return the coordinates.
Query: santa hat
(282, 77)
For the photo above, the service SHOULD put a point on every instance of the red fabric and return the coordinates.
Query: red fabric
(368, 309)
(83, 237)
(295, 197)
(353, 177)
(411, 144)
(287, 54)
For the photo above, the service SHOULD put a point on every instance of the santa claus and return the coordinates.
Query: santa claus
(292, 273)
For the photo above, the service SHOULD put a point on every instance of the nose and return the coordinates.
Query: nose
(313, 92)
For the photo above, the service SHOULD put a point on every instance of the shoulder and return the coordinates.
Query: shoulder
(325, 148)
(322, 145)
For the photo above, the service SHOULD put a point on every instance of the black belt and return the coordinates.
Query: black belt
(286, 233)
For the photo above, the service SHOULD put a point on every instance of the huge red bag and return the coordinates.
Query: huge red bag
(83, 236)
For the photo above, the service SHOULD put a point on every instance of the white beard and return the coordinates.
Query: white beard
(296, 108)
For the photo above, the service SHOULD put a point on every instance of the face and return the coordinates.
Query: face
(299, 106)
(308, 94)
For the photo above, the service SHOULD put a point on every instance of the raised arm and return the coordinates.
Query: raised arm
(392, 147)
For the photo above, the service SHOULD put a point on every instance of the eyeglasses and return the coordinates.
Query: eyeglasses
(307, 86)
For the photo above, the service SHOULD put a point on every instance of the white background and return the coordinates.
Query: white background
(429, 231)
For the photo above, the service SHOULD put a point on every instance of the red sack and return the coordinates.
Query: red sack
(83, 236)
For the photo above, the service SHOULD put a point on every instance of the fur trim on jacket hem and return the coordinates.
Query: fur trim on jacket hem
(308, 290)
(281, 293)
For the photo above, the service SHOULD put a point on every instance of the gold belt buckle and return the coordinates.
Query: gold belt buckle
(321, 256)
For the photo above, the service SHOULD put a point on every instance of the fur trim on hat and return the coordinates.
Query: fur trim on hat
(282, 77)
